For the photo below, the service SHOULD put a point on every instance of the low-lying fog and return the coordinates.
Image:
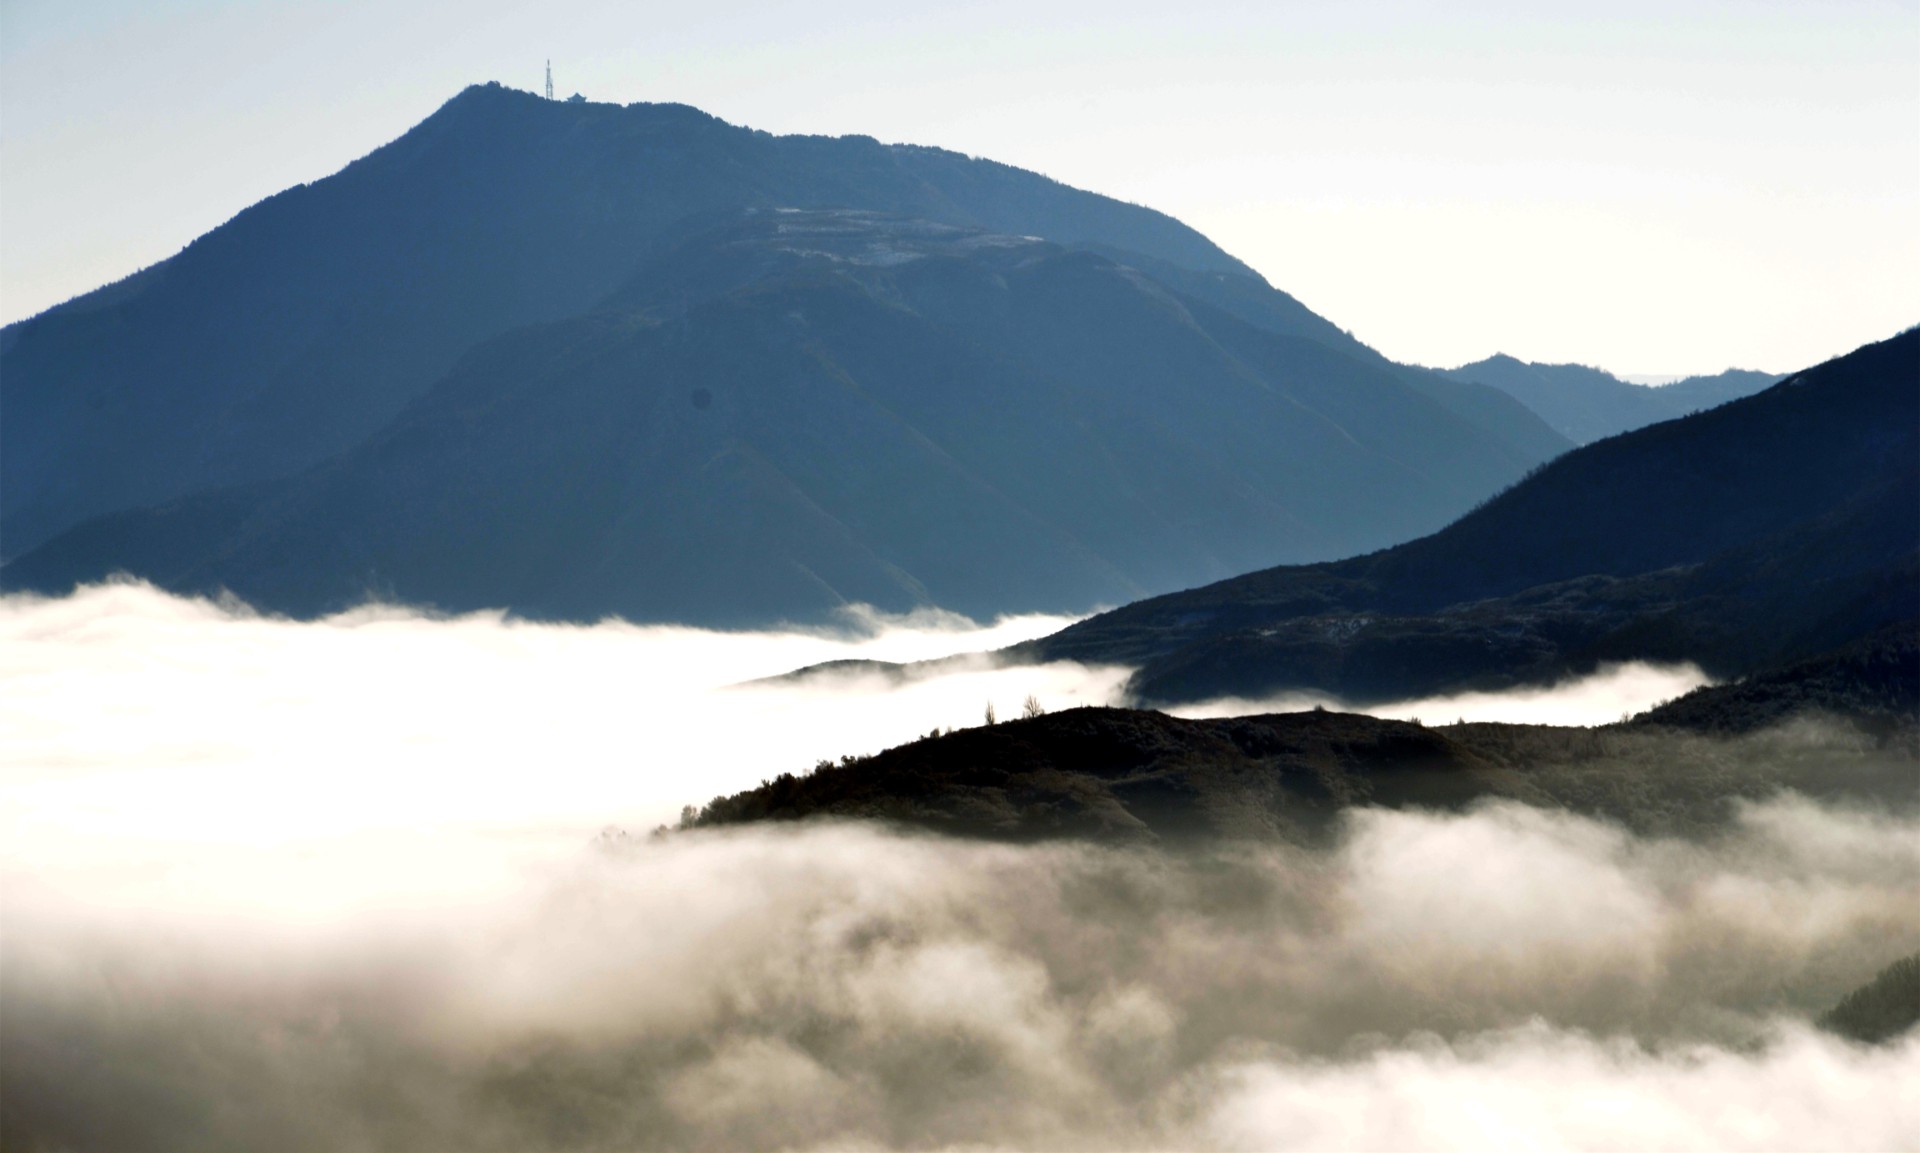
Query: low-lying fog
(1612, 693)
(342, 885)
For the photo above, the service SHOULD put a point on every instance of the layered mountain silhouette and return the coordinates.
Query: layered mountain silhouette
(1132, 775)
(789, 410)
(1586, 404)
(1766, 530)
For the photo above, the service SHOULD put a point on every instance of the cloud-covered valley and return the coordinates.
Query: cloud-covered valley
(344, 885)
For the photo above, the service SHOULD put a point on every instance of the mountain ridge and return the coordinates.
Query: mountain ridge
(1136, 776)
(1586, 404)
(1725, 537)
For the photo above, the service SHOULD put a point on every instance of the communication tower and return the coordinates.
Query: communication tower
(549, 80)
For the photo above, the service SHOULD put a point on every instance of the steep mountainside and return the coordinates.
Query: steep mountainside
(311, 319)
(1762, 531)
(1585, 404)
(1253, 300)
(791, 410)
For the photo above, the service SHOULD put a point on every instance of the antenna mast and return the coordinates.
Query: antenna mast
(549, 80)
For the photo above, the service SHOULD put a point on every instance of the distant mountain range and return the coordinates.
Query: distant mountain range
(1767, 530)
(1586, 404)
(575, 360)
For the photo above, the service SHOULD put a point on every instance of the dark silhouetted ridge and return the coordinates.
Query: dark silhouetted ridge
(1766, 530)
(1132, 775)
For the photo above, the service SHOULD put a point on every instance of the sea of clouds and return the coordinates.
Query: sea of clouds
(384, 881)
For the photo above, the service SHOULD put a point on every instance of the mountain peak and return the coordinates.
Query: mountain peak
(496, 99)
(314, 316)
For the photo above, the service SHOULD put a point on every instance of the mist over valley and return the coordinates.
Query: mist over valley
(391, 880)
(598, 627)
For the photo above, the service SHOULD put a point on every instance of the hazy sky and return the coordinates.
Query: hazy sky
(1653, 188)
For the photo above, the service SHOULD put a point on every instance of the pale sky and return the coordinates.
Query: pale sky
(1654, 188)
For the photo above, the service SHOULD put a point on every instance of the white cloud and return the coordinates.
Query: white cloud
(1610, 693)
(840, 986)
(271, 884)
(1538, 1088)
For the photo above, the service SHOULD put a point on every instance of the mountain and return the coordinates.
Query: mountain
(1763, 531)
(311, 318)
(1585, 404)
(787, 410)
(384, 383)
(309, 321)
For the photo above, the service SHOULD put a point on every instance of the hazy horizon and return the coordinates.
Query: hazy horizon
(1655, 190)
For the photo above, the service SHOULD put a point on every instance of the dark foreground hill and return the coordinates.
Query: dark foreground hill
(1764, 531)
(1874, 682)
(1127, 774)
(1586, 404)
(785, 411)
(312, 319)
